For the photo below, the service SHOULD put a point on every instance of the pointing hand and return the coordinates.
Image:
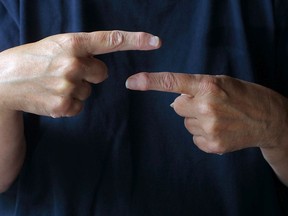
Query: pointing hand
(222, 113)
(53, 76)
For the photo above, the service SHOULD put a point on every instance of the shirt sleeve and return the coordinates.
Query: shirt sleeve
(9, 27)
(281, 45)
(281, 73)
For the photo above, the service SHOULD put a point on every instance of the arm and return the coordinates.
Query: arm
(278, 160)
(52, 77)
(225, 114)
(277, 153)
(12, 147)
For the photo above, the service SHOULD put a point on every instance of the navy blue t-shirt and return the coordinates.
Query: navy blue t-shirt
(127, 153)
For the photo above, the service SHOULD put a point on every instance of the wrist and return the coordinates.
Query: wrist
(275, 150)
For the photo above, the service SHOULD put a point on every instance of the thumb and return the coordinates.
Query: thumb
(165, 81)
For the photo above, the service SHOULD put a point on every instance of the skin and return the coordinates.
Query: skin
(52, 77)
(224, 114)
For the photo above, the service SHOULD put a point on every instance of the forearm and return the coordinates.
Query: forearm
(53, 77)
(12, 147)
(278, 160)
(277, 153)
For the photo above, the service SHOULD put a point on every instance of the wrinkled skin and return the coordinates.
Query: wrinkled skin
(52, 77)
(224, 114)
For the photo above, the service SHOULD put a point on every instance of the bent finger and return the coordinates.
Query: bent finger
(192, 125)
(75, 109)
(83, 91)
(95, 71)
(184, 106)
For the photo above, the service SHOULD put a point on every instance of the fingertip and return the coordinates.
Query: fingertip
(101, 79)
(144, 41)
(75, 109)
(155, 42)
(137, 82)
(131, 83)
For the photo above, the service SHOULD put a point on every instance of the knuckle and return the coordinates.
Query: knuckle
(206, 108)
(63, 88)
(216, 147)
(72, 65)
(210, 84)
(73, 40)
(70, 68)
(212, 129)
(214, 85)
(145, 81)
(139, 39)
(168, 81)
(115, 38)
(68, 42)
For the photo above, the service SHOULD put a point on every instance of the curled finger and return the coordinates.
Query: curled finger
(94, 70)
(59, 106)
(184, 106)
(193, 126)
(83, 91)
(75, 108)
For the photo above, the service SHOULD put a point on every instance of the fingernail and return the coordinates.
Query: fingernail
(154, 41)
(131, 83)
(172, 105)
(186, 95)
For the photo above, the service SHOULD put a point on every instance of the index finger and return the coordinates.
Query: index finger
(101, 42)
(165, 81)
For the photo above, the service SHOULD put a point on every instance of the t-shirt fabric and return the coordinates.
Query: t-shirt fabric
(127, 153)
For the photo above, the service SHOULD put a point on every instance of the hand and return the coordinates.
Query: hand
(222, 113)
(52, 77)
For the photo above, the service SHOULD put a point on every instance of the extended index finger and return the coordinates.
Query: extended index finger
(165, 81)
(101, 42)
